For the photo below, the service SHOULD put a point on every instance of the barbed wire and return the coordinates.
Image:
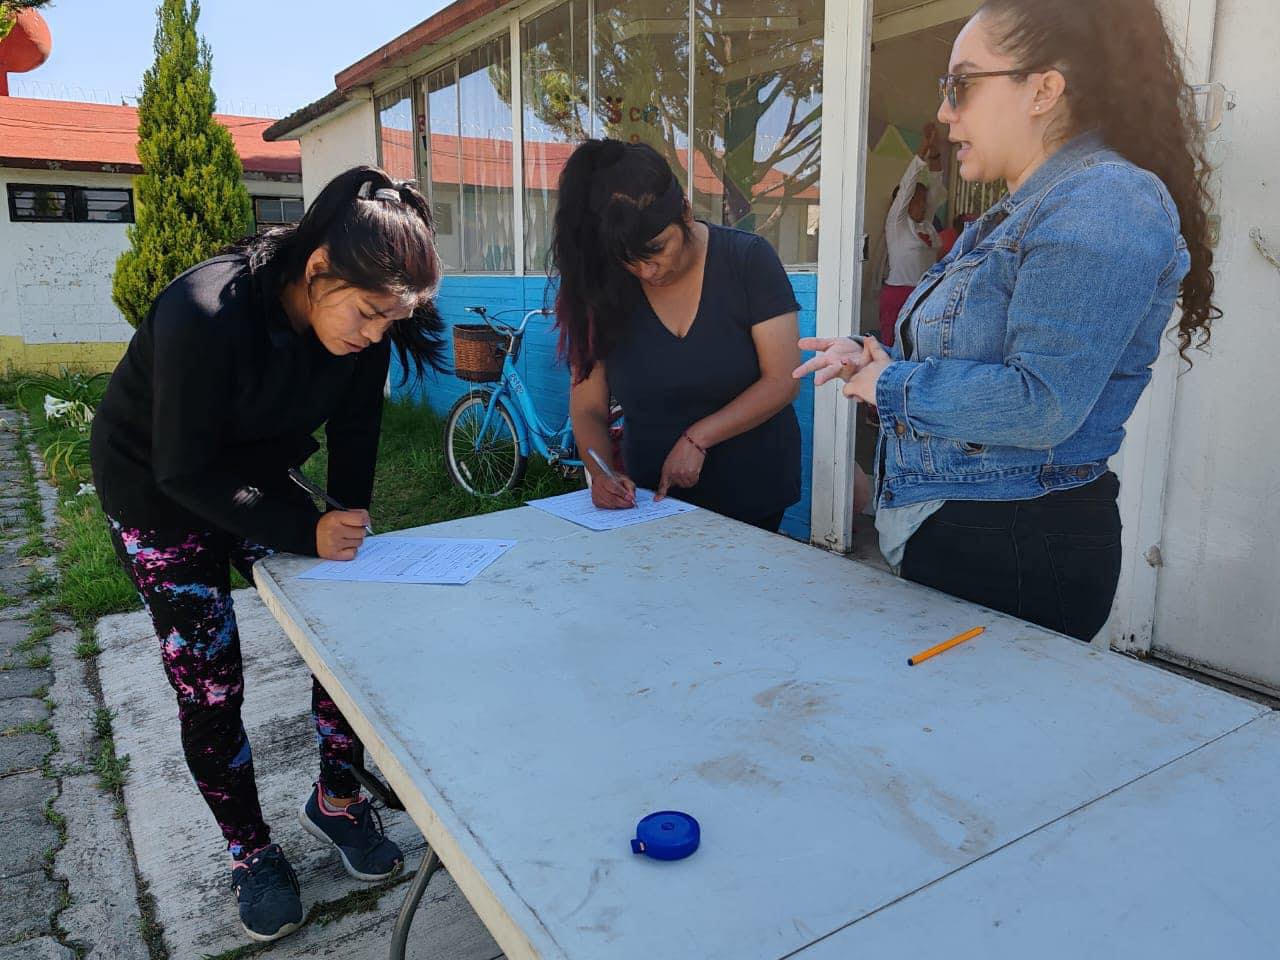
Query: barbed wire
(46, 90)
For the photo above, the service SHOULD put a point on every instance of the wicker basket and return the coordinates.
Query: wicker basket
(477, 353)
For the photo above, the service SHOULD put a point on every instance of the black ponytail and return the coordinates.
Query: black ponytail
(380, 237)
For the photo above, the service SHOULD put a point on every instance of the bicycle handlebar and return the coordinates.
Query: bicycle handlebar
(506, 329)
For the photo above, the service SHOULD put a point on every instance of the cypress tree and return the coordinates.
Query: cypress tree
(190, 200)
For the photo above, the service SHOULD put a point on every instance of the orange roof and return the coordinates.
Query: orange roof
(65, 135)
(487, 162)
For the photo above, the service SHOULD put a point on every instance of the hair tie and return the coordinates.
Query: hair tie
(366, 192)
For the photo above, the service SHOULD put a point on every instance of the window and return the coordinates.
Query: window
(444, 162)
(468, 113)
(553, 64)
(758, 119)
(642, 75)
(38, 203)
(276, 211)
(395, 133)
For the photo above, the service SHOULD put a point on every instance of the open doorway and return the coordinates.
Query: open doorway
(910, 49)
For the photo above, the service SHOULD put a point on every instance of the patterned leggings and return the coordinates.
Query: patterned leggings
(184, 580)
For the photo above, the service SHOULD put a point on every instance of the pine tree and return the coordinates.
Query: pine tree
(190, 200)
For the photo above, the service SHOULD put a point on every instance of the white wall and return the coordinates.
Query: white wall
(1218, 600)
(55, 278)
(337, 144)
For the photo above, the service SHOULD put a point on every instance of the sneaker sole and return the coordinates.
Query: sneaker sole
(284, 931)
(319, 834)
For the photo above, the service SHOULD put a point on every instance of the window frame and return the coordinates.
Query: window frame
(278, 198)
(74, 209)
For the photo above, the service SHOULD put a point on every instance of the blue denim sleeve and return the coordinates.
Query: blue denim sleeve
(1098, 250)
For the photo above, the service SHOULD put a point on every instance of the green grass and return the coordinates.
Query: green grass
(412, 488)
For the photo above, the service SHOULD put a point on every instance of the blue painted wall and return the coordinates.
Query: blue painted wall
(548, 380)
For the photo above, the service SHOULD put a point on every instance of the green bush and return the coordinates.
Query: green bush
(190, 199)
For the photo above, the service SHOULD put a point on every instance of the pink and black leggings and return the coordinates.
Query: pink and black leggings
(184, 579)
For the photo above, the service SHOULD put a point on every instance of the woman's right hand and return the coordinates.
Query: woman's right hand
(340, 533)
(836, 357)
(613, 494)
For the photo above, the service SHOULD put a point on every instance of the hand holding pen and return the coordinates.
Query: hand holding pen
(611, 490)
(339, 533)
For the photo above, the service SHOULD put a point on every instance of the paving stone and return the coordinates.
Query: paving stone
(43, 949)
(103, 915)
(22, 751)
(21, 710)
(26, 907)
(23, 682)
(28, 835)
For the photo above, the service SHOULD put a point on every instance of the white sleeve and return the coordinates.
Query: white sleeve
(906, 187)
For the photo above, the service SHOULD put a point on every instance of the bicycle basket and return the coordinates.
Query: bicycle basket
(477, 352)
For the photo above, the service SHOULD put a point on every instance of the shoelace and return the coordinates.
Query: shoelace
(252, 867)
(363, 819)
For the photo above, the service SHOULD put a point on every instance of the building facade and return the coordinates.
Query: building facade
(66, 183)
(771, 108)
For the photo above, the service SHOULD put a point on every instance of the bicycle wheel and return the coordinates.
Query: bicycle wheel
(485, 466)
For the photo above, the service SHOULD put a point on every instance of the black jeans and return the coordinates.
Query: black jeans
(1054, 561)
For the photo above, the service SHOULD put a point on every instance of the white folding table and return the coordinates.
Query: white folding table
(848, 802)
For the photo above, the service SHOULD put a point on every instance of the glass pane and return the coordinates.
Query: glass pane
(395, 133)
(553, 68)
(642, 75)
(484, 104)
(444, 163)
(266, 210)
(39, 203)
(758, 110)
(291, 209)
(107, 206)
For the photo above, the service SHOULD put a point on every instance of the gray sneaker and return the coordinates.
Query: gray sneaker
(357, 834)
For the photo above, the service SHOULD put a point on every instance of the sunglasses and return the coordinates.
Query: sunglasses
(952, 84)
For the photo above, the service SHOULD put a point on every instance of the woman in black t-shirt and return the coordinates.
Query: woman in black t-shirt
(239, 361)
(689, 325)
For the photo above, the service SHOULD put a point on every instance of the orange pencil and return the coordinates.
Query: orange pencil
(953, 642)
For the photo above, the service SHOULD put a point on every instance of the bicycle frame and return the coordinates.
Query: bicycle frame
(554, 445)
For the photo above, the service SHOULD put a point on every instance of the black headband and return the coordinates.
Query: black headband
(663, 211)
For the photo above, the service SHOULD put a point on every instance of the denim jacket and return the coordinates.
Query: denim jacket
(1034, 337)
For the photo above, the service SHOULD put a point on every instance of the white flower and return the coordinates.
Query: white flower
(85, 488)
(55, 408)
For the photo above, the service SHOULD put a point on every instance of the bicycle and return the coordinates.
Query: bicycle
(490, 432)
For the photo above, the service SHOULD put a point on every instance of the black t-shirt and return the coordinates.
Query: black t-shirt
(216, 398)
(667, 383)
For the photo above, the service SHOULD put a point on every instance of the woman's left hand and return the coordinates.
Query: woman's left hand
(682, 467)
(862, 386)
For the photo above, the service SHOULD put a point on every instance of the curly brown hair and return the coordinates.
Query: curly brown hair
(1125, 80)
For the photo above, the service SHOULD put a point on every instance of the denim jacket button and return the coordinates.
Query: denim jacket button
(900, 428)
(888, 496)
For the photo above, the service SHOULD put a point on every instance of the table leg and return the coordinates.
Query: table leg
(376, 788)
(400, 935)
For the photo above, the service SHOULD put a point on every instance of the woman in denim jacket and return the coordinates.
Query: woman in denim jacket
(1021, 354)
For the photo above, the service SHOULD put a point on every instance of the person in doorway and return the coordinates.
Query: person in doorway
(239, 361)
(689, 325)
(951, 234)
(1023, 354)
(911, 241)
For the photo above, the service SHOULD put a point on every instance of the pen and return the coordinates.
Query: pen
(602, 465)
(296, 476)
